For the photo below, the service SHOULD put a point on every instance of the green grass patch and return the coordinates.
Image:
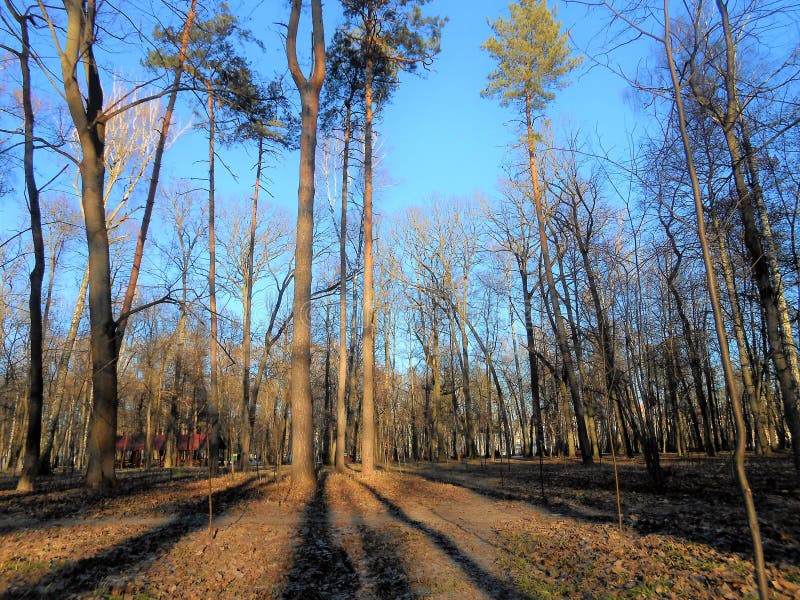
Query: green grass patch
(23, 565)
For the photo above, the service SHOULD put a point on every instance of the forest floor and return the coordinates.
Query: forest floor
(448, 530)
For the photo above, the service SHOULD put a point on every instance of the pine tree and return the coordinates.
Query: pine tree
(393, 36)
(533, 60)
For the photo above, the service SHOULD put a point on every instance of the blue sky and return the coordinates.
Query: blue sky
(440, 138)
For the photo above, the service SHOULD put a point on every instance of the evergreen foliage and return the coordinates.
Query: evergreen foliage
(533, 57)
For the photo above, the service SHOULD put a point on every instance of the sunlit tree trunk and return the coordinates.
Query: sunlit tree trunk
(341, 387)
(60, 380)
(561, 334)
(763, 266)
(213, 400)
(741, 475)
(368, 298)
(300, 378)
(248, 405)
(130, 292)
(85, 108)
(752, 396)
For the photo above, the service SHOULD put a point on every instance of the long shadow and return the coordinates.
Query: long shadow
(320, 568)
(384, 563)
(714, 519)
(85, 574)
(50, 483)
(485, 580)
(34, 510)
(552, 506)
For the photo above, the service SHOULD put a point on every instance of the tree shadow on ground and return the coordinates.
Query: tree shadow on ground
(320, 569)
(487, 489)
(59, 501)
(384, 563)
(486, 581)
(86, 574)
(703, 507)
(50, 482)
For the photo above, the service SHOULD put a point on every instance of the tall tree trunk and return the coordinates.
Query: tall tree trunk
(130, 292)
(533, 361)
(790, 378)
(741, 475)
(752, 395)
(327, 436)
(341, 386)
(368, 299)
(103, 429)
(213, 426)
(59, 383)
(248, 407)
(353, 400)
(85, 108)
(561, 334)
(31, 464)
(471, 449)
(300, 376)
(763, 266)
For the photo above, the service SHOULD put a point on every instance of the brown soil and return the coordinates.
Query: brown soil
(452, 530)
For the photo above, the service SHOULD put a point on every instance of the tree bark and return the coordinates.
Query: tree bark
(212, 426)
(341, 386)
(752, 395)
(85, 108)
(300, 376)
(31, 463)
(368, 299)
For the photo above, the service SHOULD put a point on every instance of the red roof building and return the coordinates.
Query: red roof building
(191, 448)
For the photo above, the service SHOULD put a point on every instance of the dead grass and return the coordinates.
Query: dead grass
(420, 531)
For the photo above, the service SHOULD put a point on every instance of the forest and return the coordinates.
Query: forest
(580, 381)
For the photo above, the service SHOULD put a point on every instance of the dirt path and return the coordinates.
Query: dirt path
(409, 537)
(393, 535)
